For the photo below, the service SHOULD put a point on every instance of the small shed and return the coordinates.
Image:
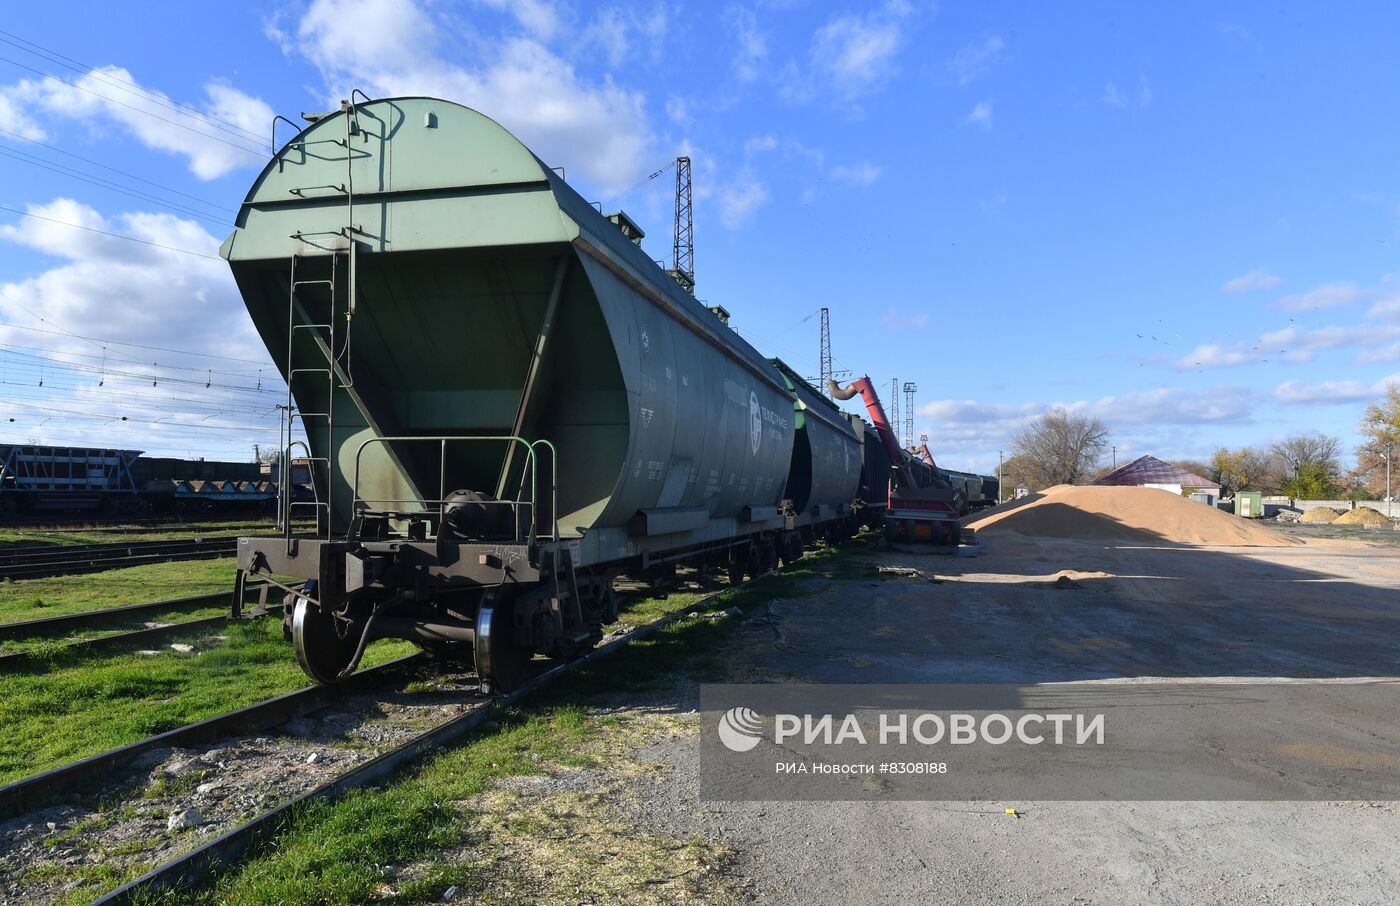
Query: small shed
(1151, 472)
(1249, 504)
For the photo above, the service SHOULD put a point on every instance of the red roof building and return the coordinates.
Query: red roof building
(1151, 472)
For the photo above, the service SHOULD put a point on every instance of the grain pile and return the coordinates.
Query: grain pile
(1320, 515)
(1143, 515)
(1362, 515)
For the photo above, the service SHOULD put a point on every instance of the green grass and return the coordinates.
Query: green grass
(116, 534)
(330, 853)
(30, 599)
(82, 705)
(53, 643)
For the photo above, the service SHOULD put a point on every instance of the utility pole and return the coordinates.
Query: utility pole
(909, 390)
(894, 406)
(1387, 482)
(683, 231)
(1000, 495)
(824, 382)
(1115, 456)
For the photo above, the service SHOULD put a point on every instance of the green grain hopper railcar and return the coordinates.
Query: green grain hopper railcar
(506, 401)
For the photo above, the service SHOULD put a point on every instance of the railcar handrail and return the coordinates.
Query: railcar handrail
(359, 503)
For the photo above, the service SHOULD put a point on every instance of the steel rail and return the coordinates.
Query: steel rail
(155, 634)
(19, 795)
(41, 552)
(224, 850)
(65, 564)
(86, 618)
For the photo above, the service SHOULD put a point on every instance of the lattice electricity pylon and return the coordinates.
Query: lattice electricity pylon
(894, 406)
(910, 388)
(683, 233)
(825, 380)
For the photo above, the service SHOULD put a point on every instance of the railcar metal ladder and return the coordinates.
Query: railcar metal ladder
(324, 334)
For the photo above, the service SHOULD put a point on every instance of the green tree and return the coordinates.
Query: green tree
(1245, 469)
(1310, 466)
(1313, 481)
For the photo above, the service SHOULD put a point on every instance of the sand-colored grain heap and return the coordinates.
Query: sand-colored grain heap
(1320, 514)
(1362, 515)
(1143, 515)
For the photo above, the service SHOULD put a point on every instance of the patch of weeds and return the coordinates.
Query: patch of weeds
(168, 785)
(57, 595)
(76, 705)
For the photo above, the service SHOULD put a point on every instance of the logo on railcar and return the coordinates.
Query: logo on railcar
(755, 422)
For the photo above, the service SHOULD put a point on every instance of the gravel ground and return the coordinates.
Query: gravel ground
(1326, 609)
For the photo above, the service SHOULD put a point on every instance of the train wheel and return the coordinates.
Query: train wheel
(323, 653)
(502, 665)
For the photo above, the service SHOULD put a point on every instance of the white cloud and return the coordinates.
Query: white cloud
(1330, 392)
(1162, 406)
(1114, 96)
(535, 16)
(855, 53)
(861, 174)
(1390, 353)
(678, 110)
(1173, 406)
(111, 94)
(980, 115)
(897, 321)
(1253, 281)
(1329, 295)
(126, 291)
(973, 60)
(751, 44)
(760, 143)
(622, 33)
(739, 200)
(595, 128)
(996, 202)
(1291, 344)
(971, 412)
(17, 103)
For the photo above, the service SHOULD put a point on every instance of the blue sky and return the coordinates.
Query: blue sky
(1183, 220)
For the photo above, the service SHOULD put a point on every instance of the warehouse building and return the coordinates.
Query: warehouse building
(1151, 472)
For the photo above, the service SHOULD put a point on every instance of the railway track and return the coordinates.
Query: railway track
(107, 616)
(224, 849)
(67, 559)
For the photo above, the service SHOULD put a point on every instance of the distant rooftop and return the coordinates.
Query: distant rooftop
(1151, 470)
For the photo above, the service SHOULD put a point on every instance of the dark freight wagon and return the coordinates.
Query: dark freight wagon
(110, 482)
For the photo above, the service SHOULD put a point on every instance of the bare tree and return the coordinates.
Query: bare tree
(1061, 447)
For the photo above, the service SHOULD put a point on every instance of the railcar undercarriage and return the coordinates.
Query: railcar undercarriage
(496, 605)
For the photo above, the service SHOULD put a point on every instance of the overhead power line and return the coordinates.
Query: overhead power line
(87, 160)
(175, 207)
(78, 226)
(67, 62)
(112, 100)
(638, 184)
